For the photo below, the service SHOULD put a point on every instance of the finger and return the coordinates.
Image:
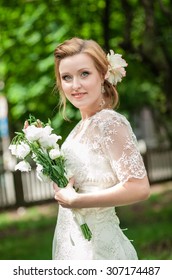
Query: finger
(63, 204)
(26, 124)
(55, 187)
(60, 202)
(56, 196)
(71, 182)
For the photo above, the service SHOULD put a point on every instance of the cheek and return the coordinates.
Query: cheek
(97, 84)
(66, 90)
(65, 87)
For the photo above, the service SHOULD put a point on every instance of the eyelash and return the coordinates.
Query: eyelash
(66, 78)
(83, 74)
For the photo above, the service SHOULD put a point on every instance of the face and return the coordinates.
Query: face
(81, 82)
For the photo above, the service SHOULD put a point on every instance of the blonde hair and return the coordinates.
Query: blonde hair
(75, 46)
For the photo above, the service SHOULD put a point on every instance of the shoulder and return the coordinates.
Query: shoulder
(108, 117)
(109, 123)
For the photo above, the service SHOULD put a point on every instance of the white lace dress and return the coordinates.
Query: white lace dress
(100, 152)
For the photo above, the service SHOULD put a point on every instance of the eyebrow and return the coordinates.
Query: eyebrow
(84, 68)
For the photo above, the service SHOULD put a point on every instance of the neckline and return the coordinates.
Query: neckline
(95, 114)
(82, 125)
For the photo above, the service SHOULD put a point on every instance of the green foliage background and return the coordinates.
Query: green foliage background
(31, 29)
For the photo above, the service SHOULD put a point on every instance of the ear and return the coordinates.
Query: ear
(102, 77)
(107, 75)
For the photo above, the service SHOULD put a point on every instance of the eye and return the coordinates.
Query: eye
(85, 74)
(67, 78)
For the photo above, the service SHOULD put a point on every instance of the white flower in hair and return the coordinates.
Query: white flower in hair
(116, 69)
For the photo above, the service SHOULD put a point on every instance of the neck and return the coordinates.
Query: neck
(87, 115)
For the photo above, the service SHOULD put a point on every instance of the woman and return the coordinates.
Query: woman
(101, 154)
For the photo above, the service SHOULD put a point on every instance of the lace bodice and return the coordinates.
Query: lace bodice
(99, 152)
(102, 150)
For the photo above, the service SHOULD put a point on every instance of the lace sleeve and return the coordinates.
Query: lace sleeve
(120, 146)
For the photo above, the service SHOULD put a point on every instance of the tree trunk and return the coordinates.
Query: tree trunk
(106, 19)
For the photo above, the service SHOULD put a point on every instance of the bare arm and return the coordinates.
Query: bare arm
(134, 190)
(121, 194)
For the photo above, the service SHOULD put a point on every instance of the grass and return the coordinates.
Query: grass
(26, 234)
(149, 225)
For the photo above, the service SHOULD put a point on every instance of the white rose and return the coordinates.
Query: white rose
(47, 130)
(116, 69)
(21, 150)
(49, 141)
(69, 174)
(39, 167)
(54, 153)
(33, 133)
(116, 60)
(13, 149)
(23, 166)
(42, 177)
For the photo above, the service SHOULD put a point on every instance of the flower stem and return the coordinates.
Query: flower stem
(86, 231)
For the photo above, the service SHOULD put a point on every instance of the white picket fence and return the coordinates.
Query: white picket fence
(32, 190)
(20, 189)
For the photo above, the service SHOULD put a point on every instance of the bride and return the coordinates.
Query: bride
(101, 154)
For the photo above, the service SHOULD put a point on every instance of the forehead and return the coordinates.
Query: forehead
(76, 62)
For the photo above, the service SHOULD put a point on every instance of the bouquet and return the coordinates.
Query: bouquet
(37, 142)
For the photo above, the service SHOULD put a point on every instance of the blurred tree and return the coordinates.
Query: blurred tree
(29, 35)
(148, 36)
(31, 29)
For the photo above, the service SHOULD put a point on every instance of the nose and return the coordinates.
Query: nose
(76, 84)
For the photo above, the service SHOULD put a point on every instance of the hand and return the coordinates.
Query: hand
(66, 196)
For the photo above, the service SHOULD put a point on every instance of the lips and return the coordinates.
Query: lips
(78, 94)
